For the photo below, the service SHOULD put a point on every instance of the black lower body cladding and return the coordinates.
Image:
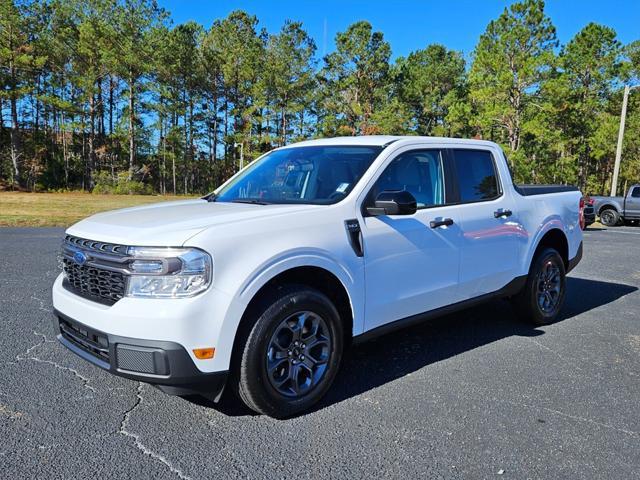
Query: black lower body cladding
(166, 365)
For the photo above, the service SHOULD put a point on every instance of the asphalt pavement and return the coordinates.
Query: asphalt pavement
(477, 394)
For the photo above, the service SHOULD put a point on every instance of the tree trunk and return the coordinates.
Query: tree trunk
(185, 157)
(284, 126)
(112, 87)
(15, 141)
(132, 139)
(100, 109)
(36, 120)
(226, 126)
(92, 135)
(65, 155)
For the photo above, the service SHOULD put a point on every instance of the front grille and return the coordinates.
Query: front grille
(92, 245)
(91, 342)
(101, 273)
(95, 283)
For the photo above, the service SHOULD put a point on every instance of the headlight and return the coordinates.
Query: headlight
(168, 272)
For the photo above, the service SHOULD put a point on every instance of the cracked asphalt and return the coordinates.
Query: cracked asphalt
(477, 394)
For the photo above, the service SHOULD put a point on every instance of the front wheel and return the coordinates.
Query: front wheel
(541, 299)
(291, 354)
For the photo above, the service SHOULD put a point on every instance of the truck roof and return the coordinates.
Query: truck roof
(382, 140)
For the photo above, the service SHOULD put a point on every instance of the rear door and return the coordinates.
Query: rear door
(489, 251)
(411, 266)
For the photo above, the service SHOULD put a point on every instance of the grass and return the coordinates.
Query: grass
(19, 209)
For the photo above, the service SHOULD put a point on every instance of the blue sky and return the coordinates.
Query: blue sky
(411, 25)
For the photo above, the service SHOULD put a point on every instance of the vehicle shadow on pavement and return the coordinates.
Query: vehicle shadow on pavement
(395, 355)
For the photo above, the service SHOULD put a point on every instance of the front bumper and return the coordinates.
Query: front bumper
(164, 364)
(206, 320)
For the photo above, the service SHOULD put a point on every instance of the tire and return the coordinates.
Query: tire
(609, 217)
(282, 368)
(542, 297)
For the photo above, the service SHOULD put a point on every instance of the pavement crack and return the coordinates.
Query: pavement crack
(41, 304)
(560, 356)
(23, 355)
(27, 355)
(124, 430)
(588, 420)
(573, 417)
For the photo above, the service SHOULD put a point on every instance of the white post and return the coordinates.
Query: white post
(623, 116)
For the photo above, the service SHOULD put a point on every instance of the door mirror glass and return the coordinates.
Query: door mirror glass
(393, 202)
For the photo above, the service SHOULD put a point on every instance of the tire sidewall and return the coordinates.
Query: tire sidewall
(537, 314)
(253, 371)
(614, 217)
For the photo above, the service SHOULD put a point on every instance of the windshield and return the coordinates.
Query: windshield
(314, 175)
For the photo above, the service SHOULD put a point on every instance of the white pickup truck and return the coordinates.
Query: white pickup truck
(260, 286)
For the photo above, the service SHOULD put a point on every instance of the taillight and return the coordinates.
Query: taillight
(581, 203)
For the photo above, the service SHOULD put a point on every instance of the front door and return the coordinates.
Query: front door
(632, 205)
(411, 266)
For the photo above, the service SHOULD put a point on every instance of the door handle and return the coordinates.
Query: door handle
(502, 213)
(446, 222)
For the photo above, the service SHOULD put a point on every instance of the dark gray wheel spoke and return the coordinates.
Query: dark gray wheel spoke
(300, 344)
(549, 286)
(317, 361)
(309, 363)
(280, 355)
(296, 380)
(315, 341)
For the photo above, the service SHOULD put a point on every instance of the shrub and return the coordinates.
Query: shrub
(121, 185)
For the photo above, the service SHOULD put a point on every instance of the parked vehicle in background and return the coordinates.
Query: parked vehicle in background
(587, 212)
(261, 285)
(615, 210)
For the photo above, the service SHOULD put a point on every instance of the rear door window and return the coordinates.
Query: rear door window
(476, 175)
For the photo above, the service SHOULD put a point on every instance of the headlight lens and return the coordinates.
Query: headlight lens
(168, 272)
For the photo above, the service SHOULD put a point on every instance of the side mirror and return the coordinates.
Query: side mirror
(396, 202)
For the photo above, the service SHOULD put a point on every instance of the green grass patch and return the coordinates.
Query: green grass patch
(18, 209)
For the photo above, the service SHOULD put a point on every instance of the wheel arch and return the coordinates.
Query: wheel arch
(609, 206)
(316, 277)
(553, 238)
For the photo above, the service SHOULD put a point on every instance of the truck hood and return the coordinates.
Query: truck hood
(170, 223)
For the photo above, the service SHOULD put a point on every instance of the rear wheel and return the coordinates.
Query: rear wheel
(541, 299)
(609, 217)
(291, 354)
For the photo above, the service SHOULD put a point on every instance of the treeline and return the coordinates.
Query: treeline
(108, 95)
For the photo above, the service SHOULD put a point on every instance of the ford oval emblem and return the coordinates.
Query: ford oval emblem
(80, 258)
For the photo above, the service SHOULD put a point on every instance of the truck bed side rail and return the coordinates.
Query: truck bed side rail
(529, 190)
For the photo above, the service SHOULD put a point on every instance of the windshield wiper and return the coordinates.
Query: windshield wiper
(210, 198)
(252, 201)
